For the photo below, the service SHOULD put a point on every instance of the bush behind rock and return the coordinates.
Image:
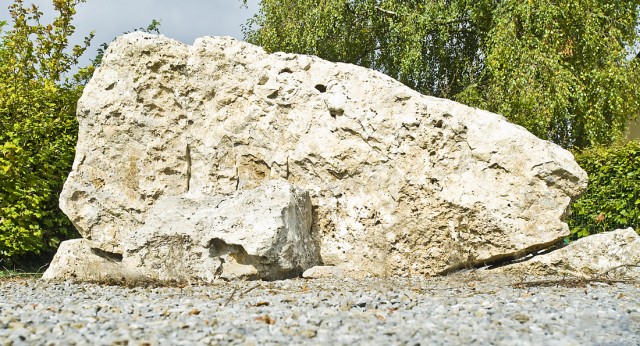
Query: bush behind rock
(612, 200)
(38, 129)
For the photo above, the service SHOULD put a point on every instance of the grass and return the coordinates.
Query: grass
(21, 272)
(18, 274)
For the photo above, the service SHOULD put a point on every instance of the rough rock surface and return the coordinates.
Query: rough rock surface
(76, 260)
(264, 233)
(612, 254)
(398, 180)
(323, 272)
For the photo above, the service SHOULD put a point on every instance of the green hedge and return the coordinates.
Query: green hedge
(36, 153)
(612, 199)
(38, 128)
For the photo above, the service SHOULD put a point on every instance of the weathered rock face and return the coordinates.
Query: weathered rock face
(264, 233)
(398, 180)
(614, 254)
(76, 260)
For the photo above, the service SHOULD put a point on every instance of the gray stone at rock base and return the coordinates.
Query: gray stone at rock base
(614, 255)
(323, 272)
(399, 181)
(264, 233)
(75, 260)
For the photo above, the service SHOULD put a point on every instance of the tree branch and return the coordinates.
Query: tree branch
(367, 51)
(386, 11)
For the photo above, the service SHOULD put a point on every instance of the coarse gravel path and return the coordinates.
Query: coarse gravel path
(471, 308)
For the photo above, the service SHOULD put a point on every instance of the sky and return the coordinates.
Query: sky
(183, 20)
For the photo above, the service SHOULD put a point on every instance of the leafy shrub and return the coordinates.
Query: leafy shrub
(612, 199)
(38, 128)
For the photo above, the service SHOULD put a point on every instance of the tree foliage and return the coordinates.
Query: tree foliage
(38, 128)
(612, 200)
(562, 69)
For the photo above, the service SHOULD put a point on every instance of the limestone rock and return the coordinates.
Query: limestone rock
(75, 260)
(323, 272)
(616, 254)
(264, 233)
(397, 179)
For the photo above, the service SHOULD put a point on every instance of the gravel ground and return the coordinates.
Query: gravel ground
(460, 309)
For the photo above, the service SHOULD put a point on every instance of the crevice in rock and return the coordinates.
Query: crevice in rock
(273, 95)
(218, 247)
(177, 67)
(506, 259)
(497, 166)
(188, 158)
(338, 174)
(77, 195)
(237, 253)
(336, 113)
(321, 88)
(528, 257)
(111, 256)
(287, 177)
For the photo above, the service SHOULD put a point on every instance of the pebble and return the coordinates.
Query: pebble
(464, 308)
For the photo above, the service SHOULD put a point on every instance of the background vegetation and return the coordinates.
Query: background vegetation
(562, 69)
(566, 70)
(38, 128)
(612, 199)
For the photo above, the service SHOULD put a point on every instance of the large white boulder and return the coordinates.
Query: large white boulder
(398, 180)
(612, 255)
